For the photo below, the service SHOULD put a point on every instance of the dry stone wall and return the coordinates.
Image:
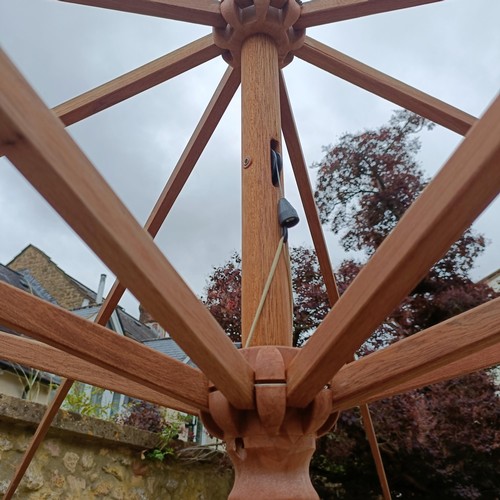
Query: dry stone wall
(84, 458)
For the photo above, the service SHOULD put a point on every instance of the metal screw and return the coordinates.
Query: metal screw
(247, 161)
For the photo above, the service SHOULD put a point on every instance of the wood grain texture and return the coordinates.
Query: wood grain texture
(97, 345)
(375, 450)
(204, 130)
(305, 190)
(37, 144)
(299, 167)
(418, 356)
(62, 391)
(467, 183)
(197, 143)
(137, 81)
(485, 358)
(260, 117)
(205, 12)
(319, 12)
(389, 88)
(42, 428)
(44, 357)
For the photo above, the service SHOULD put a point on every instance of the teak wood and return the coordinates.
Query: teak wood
(278, 415)
(138, 80)
(374, 448)
(44, 357)
(485, 358)
(305, 189)
(261, 231)
(424, 352)
(204, 130)
(463, 188)
(180, 174)
(97, 345)
(205, 12)
(298, 163)
(317, 12)
(35, 442)
(54, 164)
(389, 88)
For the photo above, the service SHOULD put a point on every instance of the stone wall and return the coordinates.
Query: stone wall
(84, 458)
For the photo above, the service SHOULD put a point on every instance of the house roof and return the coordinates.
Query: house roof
(170, 348)
(68, 291)
(130, 326)
(26, 282)
(13, 278)
(36, 288)
(490, 276)
(134, 328)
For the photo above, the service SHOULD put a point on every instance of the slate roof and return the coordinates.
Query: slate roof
(131, 327)
(13, 278)
(36, 288)
(170, 348)
(134, 328)
(24, 281)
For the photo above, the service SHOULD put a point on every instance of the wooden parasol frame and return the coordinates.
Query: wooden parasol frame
(269, 401)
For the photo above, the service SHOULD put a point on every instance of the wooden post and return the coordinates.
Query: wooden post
(261, 231)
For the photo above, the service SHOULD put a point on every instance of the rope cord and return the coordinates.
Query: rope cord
(265, 291)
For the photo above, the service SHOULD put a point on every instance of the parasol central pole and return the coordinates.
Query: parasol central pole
(270, 445)
(261, 132)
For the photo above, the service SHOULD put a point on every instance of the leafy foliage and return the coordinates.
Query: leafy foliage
(150, 417)
(223, 294)
(143, 415)
(439, 441)
(165, 447)
(442, 441)
(80, 401)
(368, 180)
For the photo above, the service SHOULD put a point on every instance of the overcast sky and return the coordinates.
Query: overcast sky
(450, 50)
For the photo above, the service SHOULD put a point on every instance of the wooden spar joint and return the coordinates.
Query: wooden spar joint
(270, 446)
(245, 18)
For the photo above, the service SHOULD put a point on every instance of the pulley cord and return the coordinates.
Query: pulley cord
(266, 290)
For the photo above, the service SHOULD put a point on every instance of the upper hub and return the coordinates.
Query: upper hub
(245, 18)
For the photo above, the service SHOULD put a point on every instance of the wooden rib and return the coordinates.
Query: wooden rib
(44, 357)
(137, 81)
(197, 143)
(377, 457)
(467, 183)
(305, 190)
(97, 345)
(205, 12)
(319, 12)
(62, 391)
(486, 358)
(216, 108)
(35, 442)
(37, 144)
(389, 88)
(419, 355)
